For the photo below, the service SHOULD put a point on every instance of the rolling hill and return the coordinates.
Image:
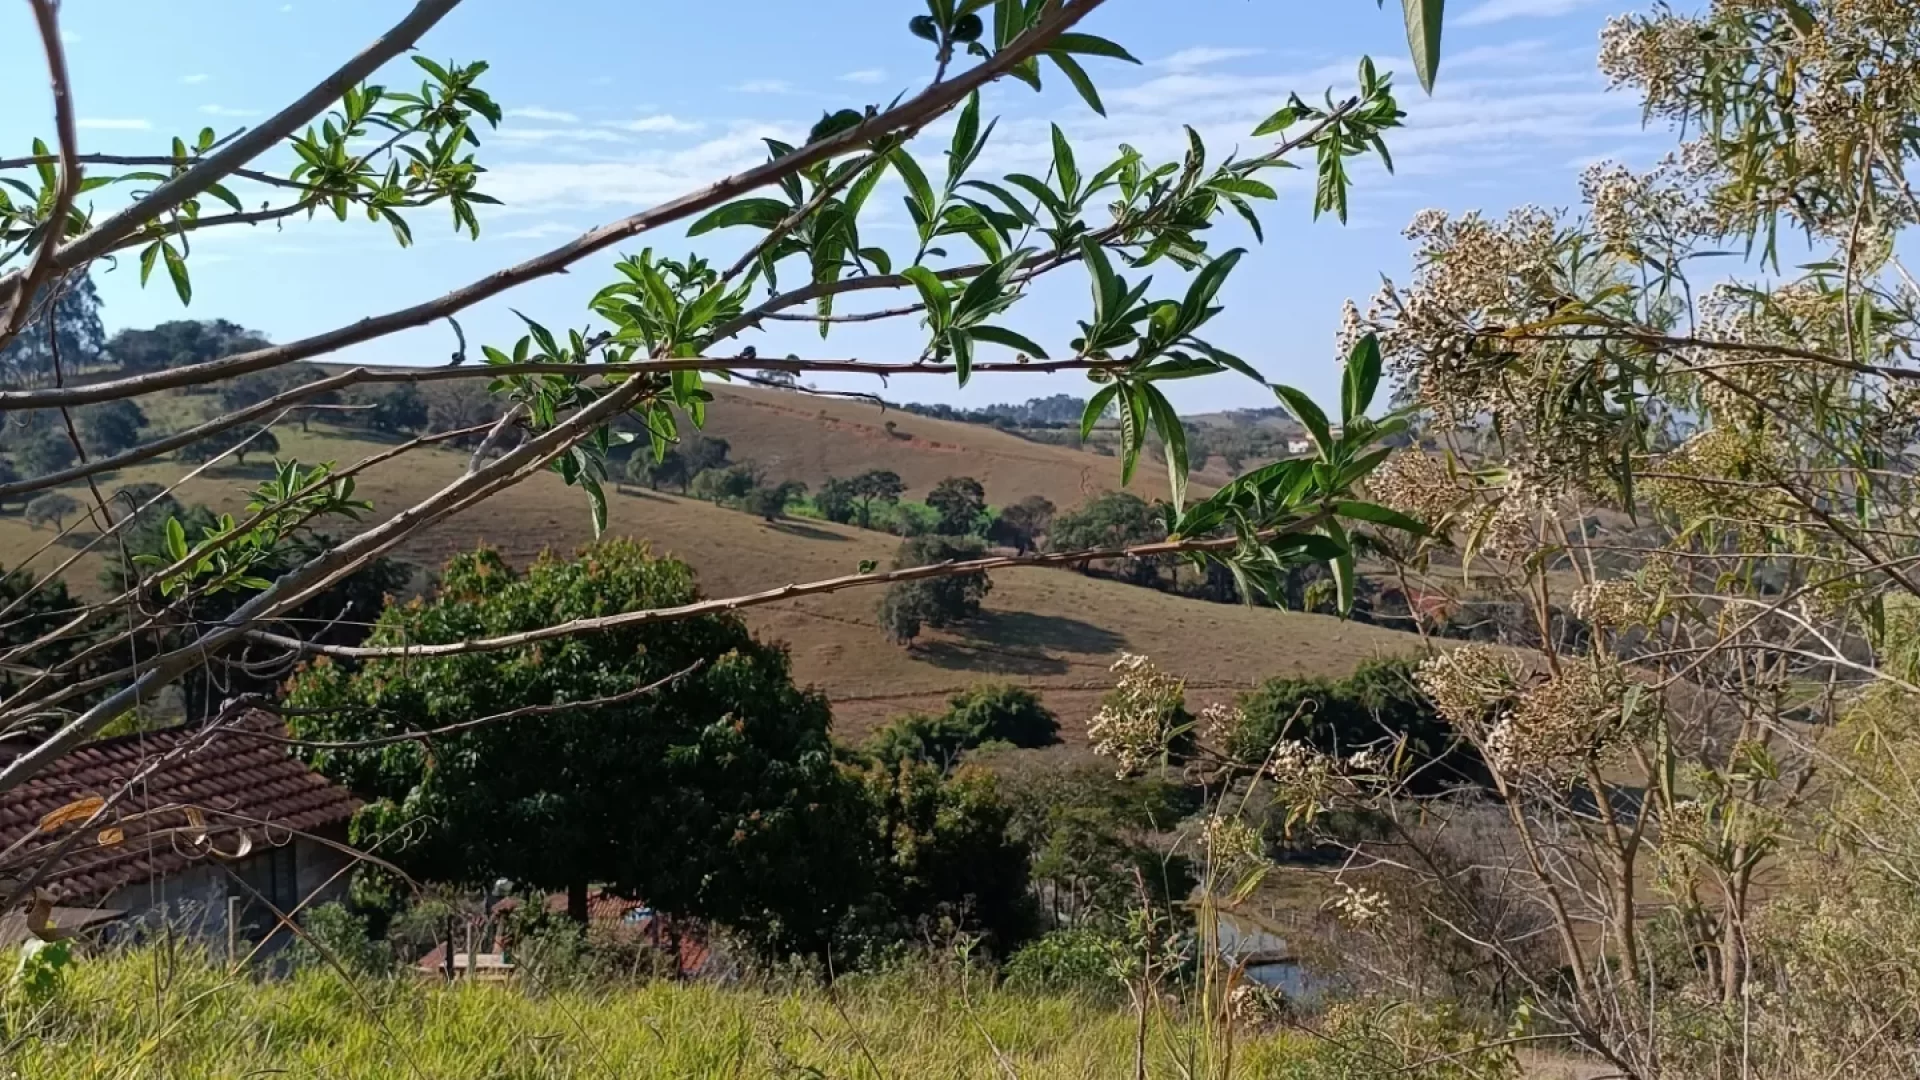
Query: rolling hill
(1055, 630)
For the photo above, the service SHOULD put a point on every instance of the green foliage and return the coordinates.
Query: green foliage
(986, 713)
(179, 343)
(714, 796)
(393, 409)
(836, 500)
(726, 484)
(334, 934)
(1109, 521)
(41, 970)
(770, 501)
(1021, 525)
(238, 441)
(962, 505)
(44, 453)
(938, 601)
(1379, 707)
(671, 468)
(52, 508)
(77, 333)
(110, 427)
(1081, 961)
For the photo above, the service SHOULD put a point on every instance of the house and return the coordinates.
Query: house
(1299, 446)
(203, 824)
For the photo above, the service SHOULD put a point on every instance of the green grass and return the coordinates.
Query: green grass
(134, 1013)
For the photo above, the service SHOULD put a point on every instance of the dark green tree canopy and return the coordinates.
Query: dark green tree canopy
(76, 327)
(961, 503)
(181, 342)
(715, 795)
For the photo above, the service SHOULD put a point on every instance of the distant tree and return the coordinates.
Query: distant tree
(986, 713)
(52, 507)
(883, 485)
(961, 503)
(704, 452)
(147, 503)
(400, 409)
(180, 342)
(671, 469)
(716, 796)
(8, 475)
(242, 440)
(729, 483)
(781, 378)
(34, 607)
(76, 330)
(1110, 520)
(110, 427)
(770, 500)
(45, 453)
(462, 403)
(909, 605)
(836, 500)
(255, 387)
(1021, 525)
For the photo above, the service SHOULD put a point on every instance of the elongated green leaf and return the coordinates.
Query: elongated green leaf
(1380, 515)
(1173, 436)
(1307, 413)
(1077, 75)
(1089, 45)
(965, 133)
(933, 294)
(177, 270)
(759, 212)
(1001, 336)
(1363, 378)
(1342, 566)
(1064, 168)
(597, 499)
(962, 346)
(1133, 429)
(1106, 286)
(1206, 284)
(1096, 407)
(1423, 37)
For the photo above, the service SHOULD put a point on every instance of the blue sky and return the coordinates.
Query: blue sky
(613, 106)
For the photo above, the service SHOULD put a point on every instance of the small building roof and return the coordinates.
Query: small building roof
(237, 784)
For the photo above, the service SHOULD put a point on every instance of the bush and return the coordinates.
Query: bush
(725, 485)
(392, 410)
(336, 934)
(1003, 712)
(1076, 961)
(45, 453)
(770, 500)
(961, 504)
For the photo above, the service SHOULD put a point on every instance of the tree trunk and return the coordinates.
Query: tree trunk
(577, 902)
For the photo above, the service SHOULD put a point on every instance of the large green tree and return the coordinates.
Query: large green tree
(714, 795)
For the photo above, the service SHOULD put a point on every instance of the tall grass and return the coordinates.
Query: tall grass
(152, 1012)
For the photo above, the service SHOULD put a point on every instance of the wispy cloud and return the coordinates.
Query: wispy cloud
(764, 86)
(1188, 59)
(229, 111)
(552, 116)
(196, 79)
(541, 231)
(536, 135)
(637, 180)
(1497, 11)
(662, 122)
(109, 123)
(865, 75)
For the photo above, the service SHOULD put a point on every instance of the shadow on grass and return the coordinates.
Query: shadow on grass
(807, 532)
(1018, 643)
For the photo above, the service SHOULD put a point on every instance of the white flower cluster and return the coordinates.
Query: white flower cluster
(1359, 906)
(1232, 844)
(1135, 720)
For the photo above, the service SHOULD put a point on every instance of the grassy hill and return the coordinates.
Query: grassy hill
(1055, 630)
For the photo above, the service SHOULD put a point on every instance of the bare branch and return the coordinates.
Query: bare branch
(54, 226)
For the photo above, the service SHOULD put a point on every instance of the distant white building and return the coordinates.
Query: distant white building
(1299, 446)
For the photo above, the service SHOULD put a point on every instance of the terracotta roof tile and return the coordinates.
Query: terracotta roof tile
(236, 782)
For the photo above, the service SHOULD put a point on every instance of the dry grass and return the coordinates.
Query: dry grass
(1055, 630)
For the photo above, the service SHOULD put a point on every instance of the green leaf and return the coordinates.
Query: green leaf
(933, 293)
(1279, 121)
(915, 179)
(1089, 45)
(1133, 430)
(1000, 336)
(1096, 407)
(1342, 566)
(1307, 413)
(759, 212)
(1107, 287)
(597, 499)
(1193, 310)
(1077, 75)
(962, 346)
(1166, 420)
(1063, 166)
(1423, 37)
(49, 176)
(1227, 359)
(1380, 515)
(1363, 378)
(177, 270)
(965, 132)
(176, 539)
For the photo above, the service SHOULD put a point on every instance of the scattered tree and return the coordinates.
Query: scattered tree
(670, 469)
(241, 440)
(770, 500)
(881, 485)
(27, 357)
(961, 503)
(111, 427)
(397, 409)
(52, 507)
(1021, 525)
(728, 483)
(45, 453)
(179, 343)
(836, 500)
(1111, 519)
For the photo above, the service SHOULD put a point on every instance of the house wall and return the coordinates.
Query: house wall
(195, 900)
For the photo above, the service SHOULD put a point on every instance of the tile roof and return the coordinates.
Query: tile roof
(234, 782)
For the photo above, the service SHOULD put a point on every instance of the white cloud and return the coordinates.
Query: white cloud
(633, 182)
(223, 110)
(660, 123)
(1188, 59)
(542, 231)
(865, 75)
(195, 80)
(765, 86)
(518, 134)
(107, 123)
(1496, 11)
(552, 116)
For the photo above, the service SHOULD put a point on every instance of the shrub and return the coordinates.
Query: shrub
(1074, 961)
(1003, 712)
(51, 507)
(335, 933)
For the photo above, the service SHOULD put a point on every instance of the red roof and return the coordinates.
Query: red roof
(233, 783)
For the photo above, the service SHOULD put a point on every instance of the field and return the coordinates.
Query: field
(1055, 630)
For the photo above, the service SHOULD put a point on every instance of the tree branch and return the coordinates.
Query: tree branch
(916, 111)
(54, 226)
